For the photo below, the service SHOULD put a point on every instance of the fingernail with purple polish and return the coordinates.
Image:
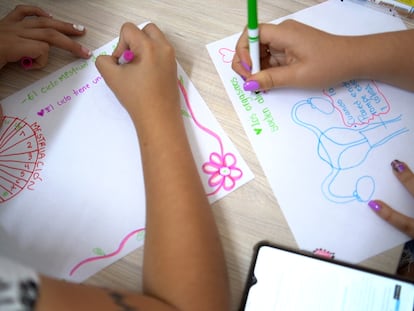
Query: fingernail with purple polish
(251, 85)
(374, 206)
(398, 166)
(245, 66)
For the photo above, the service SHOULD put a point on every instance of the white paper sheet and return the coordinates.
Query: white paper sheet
(326, 153)
(72, 193)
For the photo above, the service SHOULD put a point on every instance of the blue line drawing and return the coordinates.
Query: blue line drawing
(342, 148)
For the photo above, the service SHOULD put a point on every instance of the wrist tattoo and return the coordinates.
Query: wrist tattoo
(119, 300)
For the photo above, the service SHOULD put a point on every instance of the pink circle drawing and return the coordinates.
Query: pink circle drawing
(19, 153)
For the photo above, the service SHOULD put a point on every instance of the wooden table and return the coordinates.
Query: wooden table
(244, 217)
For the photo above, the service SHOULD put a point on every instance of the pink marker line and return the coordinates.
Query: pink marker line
(208, 131)
(122, 244)
(120, 247)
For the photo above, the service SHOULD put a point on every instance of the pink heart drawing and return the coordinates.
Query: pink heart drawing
(41, 112)
(226, 55)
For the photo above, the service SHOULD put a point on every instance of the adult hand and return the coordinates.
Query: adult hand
(29, 31)
(400, 221)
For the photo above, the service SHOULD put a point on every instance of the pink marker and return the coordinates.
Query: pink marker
(126, 57)
(26, 62)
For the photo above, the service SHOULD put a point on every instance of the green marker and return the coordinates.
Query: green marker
(253, 33)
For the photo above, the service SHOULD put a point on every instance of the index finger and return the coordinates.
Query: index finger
(395, 218)
(402, 222)
(22, 11)
(58, 39)
(241, 61)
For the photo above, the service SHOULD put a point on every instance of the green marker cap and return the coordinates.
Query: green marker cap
(252, 14)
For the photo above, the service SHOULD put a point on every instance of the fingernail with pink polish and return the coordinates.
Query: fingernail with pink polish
(251, 85)
(398, 166)
(374, 206)
(86, 51)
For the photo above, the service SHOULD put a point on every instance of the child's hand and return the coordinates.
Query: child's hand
(148, 85)
(28, 31)
(292, 55)
(398, 220)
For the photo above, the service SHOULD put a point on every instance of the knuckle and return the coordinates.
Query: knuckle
(19, 7)
(127, 25)
(233, 66)
(50, 34)
(387, 215)
(406, 227)
(169, 50)
(408, 177)
(43, 23)
(269, 81)
(43, 47)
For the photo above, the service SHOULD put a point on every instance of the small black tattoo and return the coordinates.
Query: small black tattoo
(119, 301)
(28, 293)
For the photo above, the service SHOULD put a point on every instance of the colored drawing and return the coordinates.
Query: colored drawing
(221, 169)
(221, 166)
(88, 203)
(22, 146)
(326, 152)
(226, 55)
(106, 256)
(324, 253)
(346, 147)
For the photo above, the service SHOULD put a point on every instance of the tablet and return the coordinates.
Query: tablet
(285, 279)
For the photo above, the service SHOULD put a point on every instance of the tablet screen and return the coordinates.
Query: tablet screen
(291, 281)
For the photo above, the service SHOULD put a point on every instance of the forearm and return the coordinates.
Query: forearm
(385, 57)
(184, 264)
(184, 267)
(183, 260)
(66, 296)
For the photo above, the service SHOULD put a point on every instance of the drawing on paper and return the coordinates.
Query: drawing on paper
(226, 55)
(348, 127)
(22, 147)
(324, 253)
(139, 233)
(222, 166)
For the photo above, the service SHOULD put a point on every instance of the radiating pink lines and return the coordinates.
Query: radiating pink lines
(19, 153)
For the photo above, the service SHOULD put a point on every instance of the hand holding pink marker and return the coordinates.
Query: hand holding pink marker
(126, 57)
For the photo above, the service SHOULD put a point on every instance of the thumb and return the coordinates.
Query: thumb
(395, 218)
(107, 66)
(274, 77)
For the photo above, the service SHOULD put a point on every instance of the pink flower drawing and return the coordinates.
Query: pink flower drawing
(223, 170)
